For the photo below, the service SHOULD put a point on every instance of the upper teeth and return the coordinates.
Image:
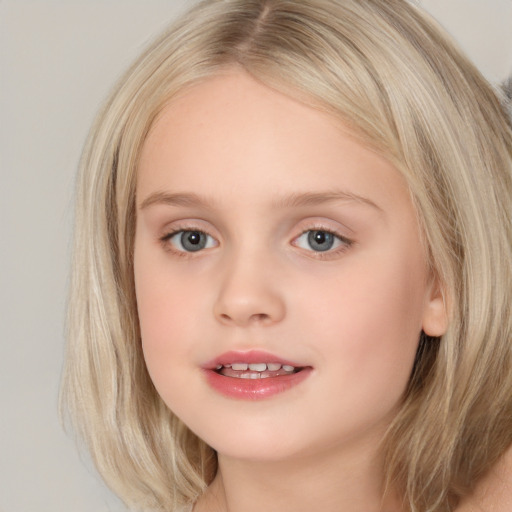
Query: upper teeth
(258, 367)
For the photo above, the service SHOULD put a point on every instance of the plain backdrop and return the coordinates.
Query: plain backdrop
(58, 59)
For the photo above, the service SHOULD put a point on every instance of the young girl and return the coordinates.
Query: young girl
(292, 270)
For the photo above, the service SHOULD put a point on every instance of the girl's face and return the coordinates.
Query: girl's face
(266, 235)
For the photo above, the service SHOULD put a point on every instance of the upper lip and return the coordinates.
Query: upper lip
(251, 356)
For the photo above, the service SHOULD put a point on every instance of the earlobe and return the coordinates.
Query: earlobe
(435, 316)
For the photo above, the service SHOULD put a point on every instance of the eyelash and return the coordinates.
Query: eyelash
(344, 245)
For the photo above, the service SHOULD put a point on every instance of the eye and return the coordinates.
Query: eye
(319, 240)
(190, 240)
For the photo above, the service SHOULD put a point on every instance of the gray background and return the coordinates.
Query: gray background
(58, 59)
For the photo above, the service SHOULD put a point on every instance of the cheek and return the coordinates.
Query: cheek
(165, 332)
(165, 315)
(155, 304)
(370, 319)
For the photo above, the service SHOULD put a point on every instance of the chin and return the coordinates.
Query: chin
(256, 443)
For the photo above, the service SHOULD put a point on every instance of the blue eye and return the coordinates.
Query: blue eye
(191, 241)
(319, 240)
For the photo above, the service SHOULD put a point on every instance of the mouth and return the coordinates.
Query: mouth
(256, 370)
(253, 375)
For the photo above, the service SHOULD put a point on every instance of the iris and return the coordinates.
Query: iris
(320, 240)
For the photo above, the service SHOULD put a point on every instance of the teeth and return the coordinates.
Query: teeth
(250, 376)
(258, 367)
(240, 366)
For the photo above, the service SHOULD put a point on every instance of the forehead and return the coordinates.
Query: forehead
(230, 132)
(238, 108)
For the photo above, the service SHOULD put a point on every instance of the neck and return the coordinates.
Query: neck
(328, 482)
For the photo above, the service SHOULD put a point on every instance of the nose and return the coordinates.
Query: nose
(249, 293)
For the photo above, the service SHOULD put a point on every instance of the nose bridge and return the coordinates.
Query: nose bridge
(249, 291)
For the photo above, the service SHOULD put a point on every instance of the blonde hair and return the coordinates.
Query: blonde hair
(390, 74)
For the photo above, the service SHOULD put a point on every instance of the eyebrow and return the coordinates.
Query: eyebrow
(294, 200)
(182, 199)
(317, 198)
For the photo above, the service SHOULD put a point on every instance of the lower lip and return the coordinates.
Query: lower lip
(254, 389)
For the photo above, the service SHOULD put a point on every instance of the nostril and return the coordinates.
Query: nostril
(260, 317)
(253, 318)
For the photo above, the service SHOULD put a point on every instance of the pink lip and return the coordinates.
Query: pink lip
(249, 389)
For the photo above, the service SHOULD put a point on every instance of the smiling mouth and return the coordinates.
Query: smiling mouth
(253, 375)
(256, 370)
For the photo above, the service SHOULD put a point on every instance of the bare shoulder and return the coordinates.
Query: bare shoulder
(494, 493)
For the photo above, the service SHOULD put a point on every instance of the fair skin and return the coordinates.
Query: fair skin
(262, 224)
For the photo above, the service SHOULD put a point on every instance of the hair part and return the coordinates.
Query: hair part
(400, 85)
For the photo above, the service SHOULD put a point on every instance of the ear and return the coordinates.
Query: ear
(435, 313)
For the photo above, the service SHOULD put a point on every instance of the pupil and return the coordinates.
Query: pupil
(193, 240)
(320, 240)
